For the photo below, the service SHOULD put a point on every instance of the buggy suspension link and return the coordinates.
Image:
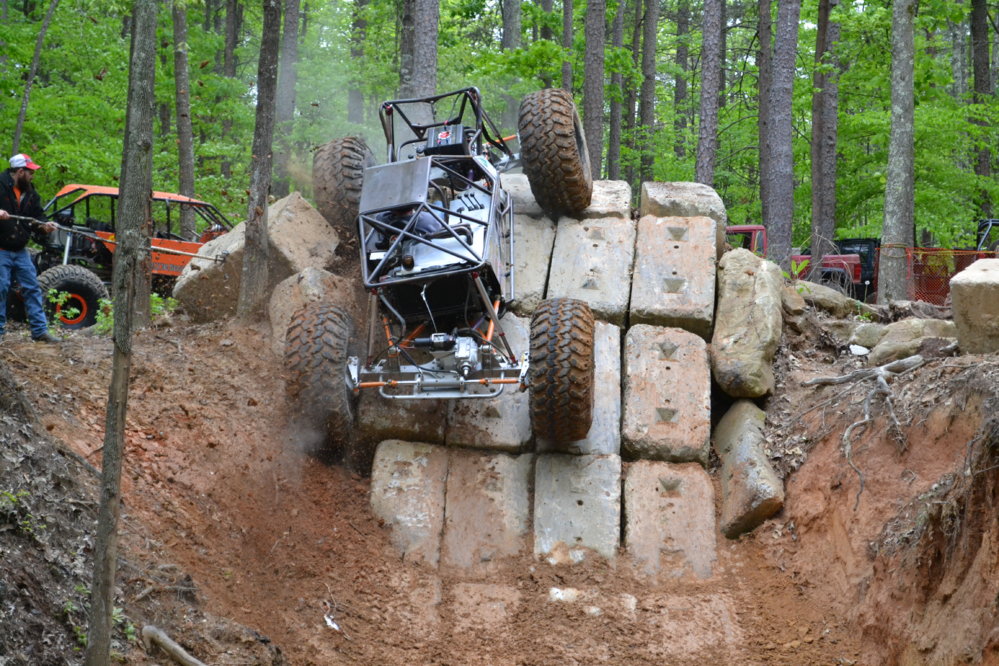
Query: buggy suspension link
(85, 234)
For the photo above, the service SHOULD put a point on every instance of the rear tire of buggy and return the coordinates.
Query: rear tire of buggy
(317, 346)
(562, 366)
(553, 152)
(337, 175)
(85, 291)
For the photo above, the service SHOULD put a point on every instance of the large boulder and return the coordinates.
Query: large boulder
(299, 237)
(975, 301)
(905, 338)
(748, 324)
(312, 285)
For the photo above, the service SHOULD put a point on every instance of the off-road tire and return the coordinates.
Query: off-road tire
(317, 346)
(85, 291)
(337, 175)
(561, 384)
(553, 152)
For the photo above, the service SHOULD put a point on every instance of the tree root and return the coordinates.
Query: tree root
(151, 634)
(881, 376)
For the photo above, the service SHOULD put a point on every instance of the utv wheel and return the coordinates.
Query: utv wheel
(316, 350)
(337, 174)
(84, 289)
(553, 152)
(561, 382)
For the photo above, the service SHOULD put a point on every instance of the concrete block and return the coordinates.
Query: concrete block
(311, 285)
(751, 490)
(685, 200)
(533, 239)
(674, 279)
(975, 302)
(502, 423)
(407, 492)
(488, 509)
(519, 189)
(667, 395)
(418, 420)
(669, 518)
(604, 437)
(577, 506)
(592, 261)
(611, 198)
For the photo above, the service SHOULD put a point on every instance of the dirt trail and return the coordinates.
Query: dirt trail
(221, 521)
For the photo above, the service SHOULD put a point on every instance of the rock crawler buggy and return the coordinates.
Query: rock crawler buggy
(434, 234)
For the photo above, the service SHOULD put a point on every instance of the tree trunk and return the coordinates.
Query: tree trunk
(825, 105)
(631, 97)
(593, 82)
(616, 103)
(899, 189)
(418, 51)
(185, 131)
(682, 69)
(647, 103)
(284, 104)
(358, 33)
(510, 10)
(255, 278)
(780, 172)
(233, 25)
(133, 211)
(567, 45)
(711, 66)
(983, 92)
(958, 66)
(32, 71)
(764, 59)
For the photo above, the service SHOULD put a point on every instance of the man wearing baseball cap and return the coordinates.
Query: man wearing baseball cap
(19, 197)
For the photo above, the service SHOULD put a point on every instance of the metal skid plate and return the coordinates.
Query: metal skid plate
(403, 381)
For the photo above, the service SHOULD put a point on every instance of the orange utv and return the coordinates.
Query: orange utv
(77, 258)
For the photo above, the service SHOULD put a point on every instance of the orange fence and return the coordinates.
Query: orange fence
(929, 270)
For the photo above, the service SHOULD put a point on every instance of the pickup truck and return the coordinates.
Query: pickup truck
(843, 272)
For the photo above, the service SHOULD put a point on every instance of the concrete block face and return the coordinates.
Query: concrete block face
(311, 285)
(685, 200)
(519, 189)
(667, 395)
(749, 289)
(604, 437)
(577, 506)
(499, 424)
(407, 492)
(533, 239)
(592, 261)
(381, 418)
(751, 490)
(674, 279)
(488, 512)
(975, 302)
(611, 198)
(669, 518)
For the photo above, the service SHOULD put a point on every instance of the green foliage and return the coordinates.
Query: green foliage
(13, 508)
(159, 306)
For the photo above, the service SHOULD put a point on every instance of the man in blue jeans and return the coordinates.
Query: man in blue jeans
(19, 197)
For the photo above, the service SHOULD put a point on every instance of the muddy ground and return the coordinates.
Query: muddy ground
(245, 552)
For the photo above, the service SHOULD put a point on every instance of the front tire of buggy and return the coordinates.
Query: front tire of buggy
(337, 176)
(553, 152)
(83, 293)
(317, 346)
(562, 366)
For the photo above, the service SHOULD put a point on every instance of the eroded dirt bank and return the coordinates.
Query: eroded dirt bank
(240, 549)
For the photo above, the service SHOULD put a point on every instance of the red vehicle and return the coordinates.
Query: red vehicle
(77, 258)
(843, 272)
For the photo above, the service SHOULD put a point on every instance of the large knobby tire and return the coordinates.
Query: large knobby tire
(83, 289)
(337, 175)
(553, 152)
(316, 349)
(561, 383)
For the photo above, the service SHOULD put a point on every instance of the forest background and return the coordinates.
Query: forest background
(340, 59)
